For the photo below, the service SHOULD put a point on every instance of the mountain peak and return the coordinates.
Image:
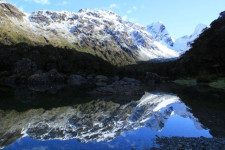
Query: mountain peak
(184, 43)
(84, 10)
(100, 13)
(159, 33)
(157, 26)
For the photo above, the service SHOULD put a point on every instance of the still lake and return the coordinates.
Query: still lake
(69, 119)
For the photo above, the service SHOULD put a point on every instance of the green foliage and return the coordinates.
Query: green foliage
(188, 82)
(220, 83)
(67, 61)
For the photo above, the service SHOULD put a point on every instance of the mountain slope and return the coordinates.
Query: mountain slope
(104, 32)
(160, 34)
(206, 57)
(184, 43)
(204, 60)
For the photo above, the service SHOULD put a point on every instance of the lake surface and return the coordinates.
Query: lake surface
(70, 119)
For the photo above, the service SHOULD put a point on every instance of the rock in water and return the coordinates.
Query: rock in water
(49, 78)
(25, 67)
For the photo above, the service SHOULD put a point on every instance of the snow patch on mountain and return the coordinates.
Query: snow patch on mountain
(95, 28)
(160, 34)
(184, 43)
(105, 30)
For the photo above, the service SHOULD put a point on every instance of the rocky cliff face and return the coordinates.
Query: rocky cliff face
(7, 10)
(102, 30)
(160, 34)
(97, 29)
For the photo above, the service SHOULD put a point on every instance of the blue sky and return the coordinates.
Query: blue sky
(179, 16)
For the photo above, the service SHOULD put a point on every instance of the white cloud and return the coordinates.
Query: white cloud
(43, 2)
(62, 3)
(143, 6)
(134, 8)
(113, 6)
(129, 11)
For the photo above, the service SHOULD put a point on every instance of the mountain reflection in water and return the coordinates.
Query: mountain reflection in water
(100, 124)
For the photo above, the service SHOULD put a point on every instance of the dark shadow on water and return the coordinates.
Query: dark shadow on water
(207, 104)
(23, 98)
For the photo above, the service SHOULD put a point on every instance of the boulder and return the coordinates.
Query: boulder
(152, 77)
(4, 73)
(11, 80)
(91, 77)
(25, 67)
(116, 78)
(131, 80)
(100, 83)
(102, 78)
(77, 79)
(119, 88)
(49, 78)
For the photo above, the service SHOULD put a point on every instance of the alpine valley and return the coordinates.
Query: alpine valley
(92, 80)
(98, 30)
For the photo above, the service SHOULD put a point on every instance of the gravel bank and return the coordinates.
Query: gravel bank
(182, 143)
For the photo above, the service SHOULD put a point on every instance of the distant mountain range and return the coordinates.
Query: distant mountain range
(160, 34)
(98, 30)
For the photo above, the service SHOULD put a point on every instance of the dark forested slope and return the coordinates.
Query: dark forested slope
(206, 57)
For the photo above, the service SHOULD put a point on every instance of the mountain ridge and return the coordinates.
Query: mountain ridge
(98, 29)
(184, 43)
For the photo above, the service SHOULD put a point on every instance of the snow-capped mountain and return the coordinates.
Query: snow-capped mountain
(160, 34)
(184, 43)
(96, 120)
(98, 29)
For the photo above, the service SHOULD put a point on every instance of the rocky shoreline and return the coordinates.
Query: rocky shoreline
(184, 143)
(26, 73)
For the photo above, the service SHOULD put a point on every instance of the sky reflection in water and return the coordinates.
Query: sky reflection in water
(154, 114)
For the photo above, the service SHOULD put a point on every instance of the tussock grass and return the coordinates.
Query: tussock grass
(188, 81)
(219, 84)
